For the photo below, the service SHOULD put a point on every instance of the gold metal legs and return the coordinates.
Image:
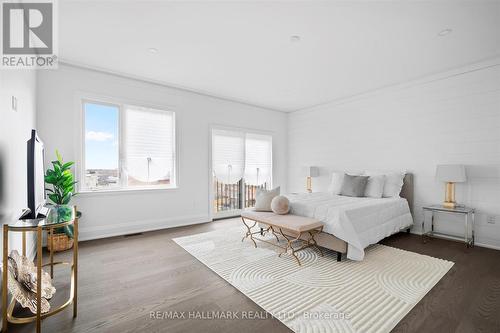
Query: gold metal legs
(289, 242)
(51, 237)
(309, 242)
(75, 266)
(249, 232)
(5, 266)
(39, 279)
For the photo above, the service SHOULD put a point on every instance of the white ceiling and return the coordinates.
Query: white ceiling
(242, 50)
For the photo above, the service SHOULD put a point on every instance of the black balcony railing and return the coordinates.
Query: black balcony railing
(229, 197)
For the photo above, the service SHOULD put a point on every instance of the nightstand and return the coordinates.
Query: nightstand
(468, 214)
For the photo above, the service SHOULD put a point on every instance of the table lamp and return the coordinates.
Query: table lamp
(309, 172)
(450, 174)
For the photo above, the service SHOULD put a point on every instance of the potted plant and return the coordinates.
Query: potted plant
(63, 189)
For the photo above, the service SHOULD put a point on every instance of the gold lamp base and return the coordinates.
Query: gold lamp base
(449, 199)
(308, 185)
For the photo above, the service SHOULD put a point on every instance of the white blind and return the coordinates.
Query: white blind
(149, 148)
(258, 159)
(228, 155)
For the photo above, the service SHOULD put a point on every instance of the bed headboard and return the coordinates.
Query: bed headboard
(407, 190)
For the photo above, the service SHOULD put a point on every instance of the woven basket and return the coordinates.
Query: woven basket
(61, 242)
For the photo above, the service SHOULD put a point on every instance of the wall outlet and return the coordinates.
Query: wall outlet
(14, 103)
(491, 219)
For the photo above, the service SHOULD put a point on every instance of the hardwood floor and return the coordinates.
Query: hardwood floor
(124, 279)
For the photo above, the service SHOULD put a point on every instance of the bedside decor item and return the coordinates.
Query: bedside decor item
(280, 205)
(264, 197)
(23, 283)
(63, 189)
(450, 174)
(310, 172)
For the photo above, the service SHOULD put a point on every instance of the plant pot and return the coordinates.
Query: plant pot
(60, 213)
(62, 237)
(61, 242)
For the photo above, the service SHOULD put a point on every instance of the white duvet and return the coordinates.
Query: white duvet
(357, 221)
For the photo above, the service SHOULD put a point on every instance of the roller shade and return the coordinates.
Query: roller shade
(228, 155)
(258, 159)
(149, 149)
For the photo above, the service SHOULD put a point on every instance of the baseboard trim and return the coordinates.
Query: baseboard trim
(488, 246)
(120, 229)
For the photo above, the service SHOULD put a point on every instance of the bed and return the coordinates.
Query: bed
(352, 224)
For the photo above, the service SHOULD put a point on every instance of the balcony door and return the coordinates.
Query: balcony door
(241, 164)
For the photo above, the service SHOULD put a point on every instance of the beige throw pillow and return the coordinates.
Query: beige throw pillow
(264, 197)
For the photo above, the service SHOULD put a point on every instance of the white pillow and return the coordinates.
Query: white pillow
(264, 197)
(375, 186)
(336, 183)
(393, 182)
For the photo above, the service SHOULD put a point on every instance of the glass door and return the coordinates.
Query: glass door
(241, 164)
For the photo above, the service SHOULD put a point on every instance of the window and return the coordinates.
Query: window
(241, 163)
(127, 147)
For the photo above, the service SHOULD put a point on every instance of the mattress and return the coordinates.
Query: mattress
(359, 222)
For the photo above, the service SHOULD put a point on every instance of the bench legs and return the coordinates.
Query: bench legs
(249, 232)
(289, 246)
(309, 242)
(339, 256)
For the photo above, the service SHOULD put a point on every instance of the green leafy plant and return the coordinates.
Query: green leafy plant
(63, 189)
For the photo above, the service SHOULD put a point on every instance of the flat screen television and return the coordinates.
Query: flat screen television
(36, 181)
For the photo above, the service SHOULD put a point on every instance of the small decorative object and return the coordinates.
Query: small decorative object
(23, 283)
(450, 174)
(280, 205)
(63, 189)
(310, 172)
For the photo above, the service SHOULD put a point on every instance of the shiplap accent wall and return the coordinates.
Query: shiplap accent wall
(449, 118)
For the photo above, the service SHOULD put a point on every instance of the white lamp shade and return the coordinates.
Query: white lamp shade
(310, 171)
(452, 173)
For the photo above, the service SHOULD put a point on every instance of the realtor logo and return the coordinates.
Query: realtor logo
(28, 35)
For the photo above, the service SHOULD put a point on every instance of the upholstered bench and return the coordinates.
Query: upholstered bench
(291, 227)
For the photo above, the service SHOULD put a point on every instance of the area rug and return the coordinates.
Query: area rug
(322, 295)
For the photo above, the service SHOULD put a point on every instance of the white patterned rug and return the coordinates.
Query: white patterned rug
(322, 295)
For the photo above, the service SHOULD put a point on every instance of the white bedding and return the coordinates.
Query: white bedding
(358, 221)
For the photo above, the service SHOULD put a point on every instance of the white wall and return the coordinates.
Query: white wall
(15, 130)
(121, 213)
(451, 118)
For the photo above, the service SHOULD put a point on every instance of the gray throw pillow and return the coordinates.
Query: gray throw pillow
(264, 197)
(354, 186)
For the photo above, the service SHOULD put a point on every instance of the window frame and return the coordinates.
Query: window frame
(121, 106)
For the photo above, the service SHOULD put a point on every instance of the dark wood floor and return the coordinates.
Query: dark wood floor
(124, 279)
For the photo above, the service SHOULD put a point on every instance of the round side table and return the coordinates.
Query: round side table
(38, 226)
